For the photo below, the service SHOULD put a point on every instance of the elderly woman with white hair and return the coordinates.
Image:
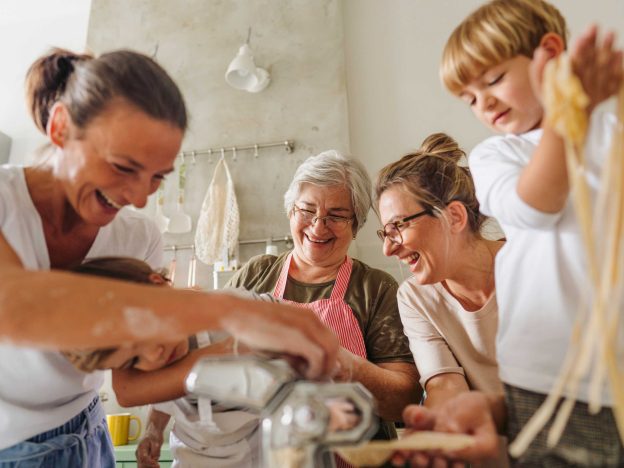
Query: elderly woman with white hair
(327, 203)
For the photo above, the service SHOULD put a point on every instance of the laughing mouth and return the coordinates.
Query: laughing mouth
(108, 201)
(317, 241)
(411, 259)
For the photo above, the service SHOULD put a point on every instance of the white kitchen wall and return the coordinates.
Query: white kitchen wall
(28, 28)
(392, 51)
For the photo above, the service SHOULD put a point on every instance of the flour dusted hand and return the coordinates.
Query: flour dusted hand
(148, 450)
(286, 330)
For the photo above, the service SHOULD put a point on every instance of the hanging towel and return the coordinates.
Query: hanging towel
(217, 226)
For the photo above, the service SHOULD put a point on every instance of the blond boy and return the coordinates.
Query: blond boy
(494, 61)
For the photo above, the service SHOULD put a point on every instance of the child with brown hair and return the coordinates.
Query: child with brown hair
(155, 373)
(494, 61)
(142, 356)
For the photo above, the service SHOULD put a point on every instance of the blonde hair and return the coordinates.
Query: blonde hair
(497, 31)
(433, 176)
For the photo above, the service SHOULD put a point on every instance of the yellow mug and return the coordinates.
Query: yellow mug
(119, 427)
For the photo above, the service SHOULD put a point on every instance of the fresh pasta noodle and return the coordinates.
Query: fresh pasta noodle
(378, 452)
(594, 342)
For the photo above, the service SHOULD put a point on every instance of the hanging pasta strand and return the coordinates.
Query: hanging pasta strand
(594, 342)
(610, 214)
(610, 350)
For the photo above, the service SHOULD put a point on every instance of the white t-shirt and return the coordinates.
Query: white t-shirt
(41, 390)
(542, 276)
(225, 437)
(446, 338)
(230, 438)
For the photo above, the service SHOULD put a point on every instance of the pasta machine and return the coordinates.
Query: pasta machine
(300, 421)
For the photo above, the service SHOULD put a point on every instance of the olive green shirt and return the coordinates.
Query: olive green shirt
(371, 294)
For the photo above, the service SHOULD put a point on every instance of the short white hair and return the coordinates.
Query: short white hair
(331, 169)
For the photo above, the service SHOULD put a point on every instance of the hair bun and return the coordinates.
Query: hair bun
(440, 144)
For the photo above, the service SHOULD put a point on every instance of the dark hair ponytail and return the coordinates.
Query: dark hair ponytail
(46, 80)
(86, 85)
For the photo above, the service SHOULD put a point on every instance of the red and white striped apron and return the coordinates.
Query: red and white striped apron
(334, 312)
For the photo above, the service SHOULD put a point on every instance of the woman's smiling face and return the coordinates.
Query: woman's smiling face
(322, 243)
(119, 159)
(424, 247)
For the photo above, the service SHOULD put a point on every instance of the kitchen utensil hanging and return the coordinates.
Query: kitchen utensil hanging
(172, 266)
(160, 219)
(180, 222)
(192, 269)
(216, 235)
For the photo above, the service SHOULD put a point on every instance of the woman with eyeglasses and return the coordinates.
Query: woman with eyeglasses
(431, 223)
(327, 203)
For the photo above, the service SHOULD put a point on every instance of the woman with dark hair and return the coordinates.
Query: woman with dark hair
(115, 124)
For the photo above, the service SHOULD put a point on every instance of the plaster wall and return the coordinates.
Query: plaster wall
(299, 42)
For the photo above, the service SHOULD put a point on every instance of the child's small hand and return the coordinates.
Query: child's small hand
(598, 64)
(148, 450)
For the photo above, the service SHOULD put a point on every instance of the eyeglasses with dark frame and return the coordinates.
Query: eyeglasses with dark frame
(392, 231)
(331, 221)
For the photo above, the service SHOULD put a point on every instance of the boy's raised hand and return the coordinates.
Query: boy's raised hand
(598, 64)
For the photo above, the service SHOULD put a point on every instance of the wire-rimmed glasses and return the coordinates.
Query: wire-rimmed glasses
(392, 231)
(333, 222)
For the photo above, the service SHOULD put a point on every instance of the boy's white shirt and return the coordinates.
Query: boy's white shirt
(541, 273)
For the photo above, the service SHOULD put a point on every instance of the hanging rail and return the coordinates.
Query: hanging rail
(288, 145)
(269, 240)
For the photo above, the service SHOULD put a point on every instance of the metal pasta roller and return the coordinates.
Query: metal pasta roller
(300, 420)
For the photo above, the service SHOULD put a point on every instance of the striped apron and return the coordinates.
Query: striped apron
(334, 312)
